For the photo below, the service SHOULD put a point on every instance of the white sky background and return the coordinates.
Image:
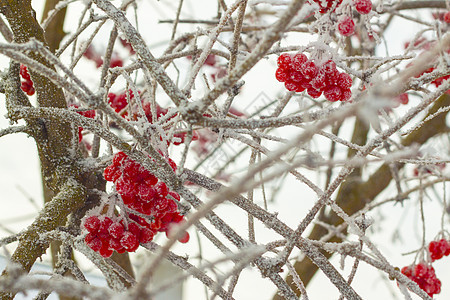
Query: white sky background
(19, 170)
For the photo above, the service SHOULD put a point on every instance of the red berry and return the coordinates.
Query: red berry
(447, 248)
(115, 62)
(281, 75)
(115, 244)
(329, 68)
(319, 82)
(407, 271)
(309, 70)
(296, 76)
(284, 60)
(211, 60)
(172, 164)
(363, 6)
(111, 173)
(24, 73)
(147, 192)
(420, 270)
(298, 61)
(146, 235)
(129, 241)
(161, 189)
(93, 242)
(447, 17)
(119, 158)
(346, 95)
(291, 86)
(344, 81)
(27, 87)
(127, 45)
(104, 224)
(333, 93)
(175, 195)
(346, 26)
(116, 230)
(402, 98)
(134, 229)
(92, 224)
(184, 239)
(105, 251)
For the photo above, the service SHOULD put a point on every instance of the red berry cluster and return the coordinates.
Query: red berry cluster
(439, 249)
(26, 84)
(424, 276)
(299, 73)
(142, 192)
(106, 235)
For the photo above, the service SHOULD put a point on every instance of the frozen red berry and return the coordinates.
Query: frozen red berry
(346, 26)
(284, 60)
(92, 224)
(116, 230)
(184, 238)
(447, 17)
(363, 6)
(129, 241)
(333, 94)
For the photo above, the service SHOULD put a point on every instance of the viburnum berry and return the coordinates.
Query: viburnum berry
(116, 61)
(309, 70)
(447, 17)
(333, 93)
(346, 95)
(93, 242)
(281, 75)
(92, 224)
(284, 60)
(299, 60)
(363, 6)
(346, 26)
(402, 98)
(116, 230)
(105, 251)
(129, 241)
(344, 81)
(184, 239)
